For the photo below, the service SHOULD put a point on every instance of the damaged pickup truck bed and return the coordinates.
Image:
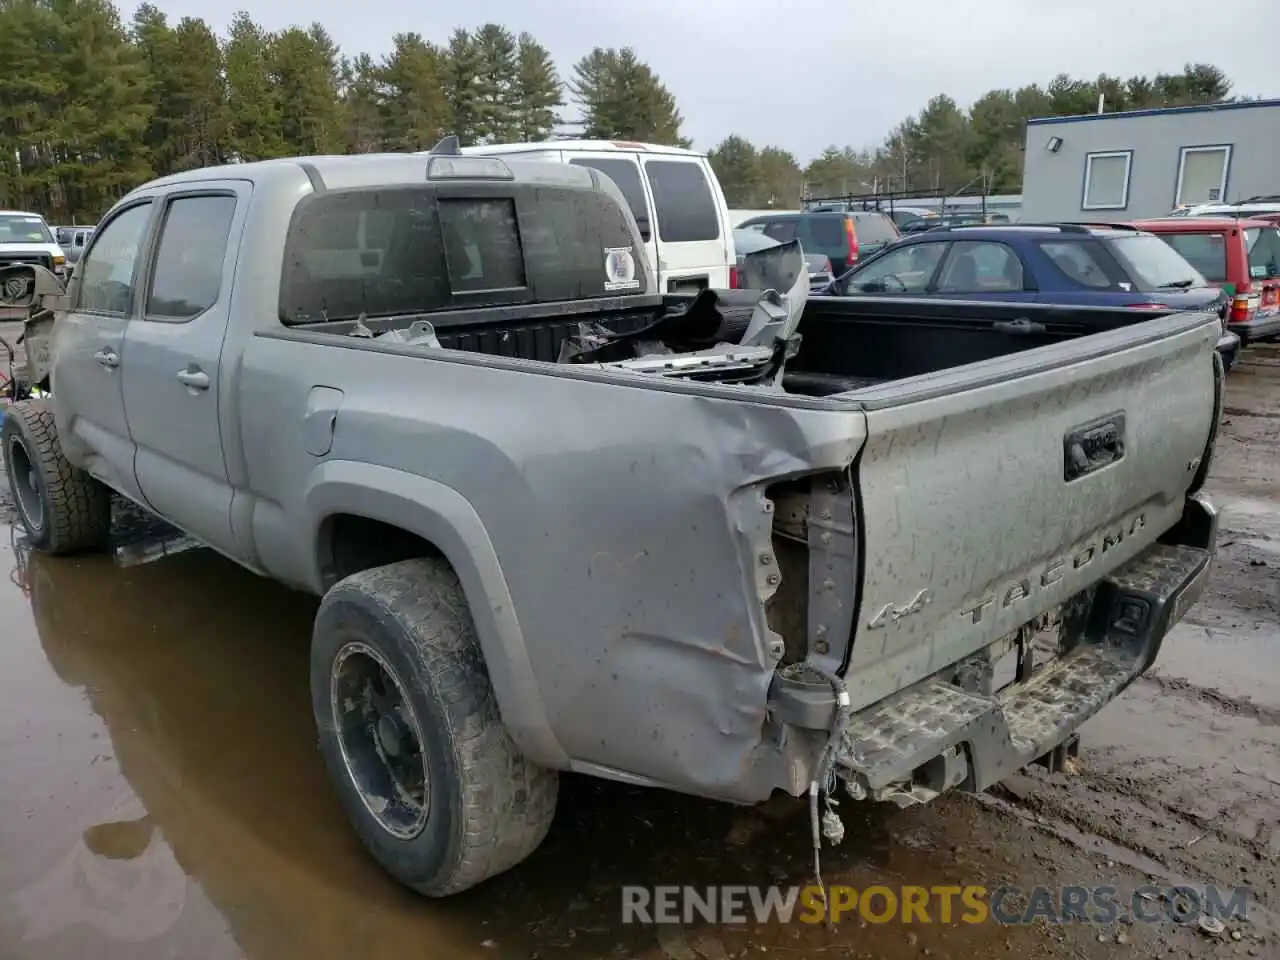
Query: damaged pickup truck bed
(727, 545)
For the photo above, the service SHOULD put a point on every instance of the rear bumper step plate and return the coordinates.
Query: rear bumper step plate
(890, 743)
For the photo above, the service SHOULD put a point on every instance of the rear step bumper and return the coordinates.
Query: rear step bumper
(935, 735)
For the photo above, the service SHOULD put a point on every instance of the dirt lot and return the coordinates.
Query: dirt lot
(163, 797)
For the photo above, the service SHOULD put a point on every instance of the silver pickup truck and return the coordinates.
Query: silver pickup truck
(725, 544)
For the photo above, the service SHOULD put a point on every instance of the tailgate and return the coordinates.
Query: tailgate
(992, 492)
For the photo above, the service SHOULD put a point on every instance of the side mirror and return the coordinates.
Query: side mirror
(25, 284)
(18, 286)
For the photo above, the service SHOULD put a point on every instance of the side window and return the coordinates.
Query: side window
(783, 231)
(1078, 263)
(981, 268)
(1264, 252)
(189, 260)
(79, 241)
(482, 245)
(64, 236)
(106, 280)
(906, 270)
(686, 211)
(626, 174)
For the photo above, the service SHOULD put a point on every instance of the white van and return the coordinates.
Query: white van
(690, 242)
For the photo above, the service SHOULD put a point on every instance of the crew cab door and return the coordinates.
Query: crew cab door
(88, 348)
(172, 382)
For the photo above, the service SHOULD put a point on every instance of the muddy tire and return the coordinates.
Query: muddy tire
(396, 665)
(62, 508)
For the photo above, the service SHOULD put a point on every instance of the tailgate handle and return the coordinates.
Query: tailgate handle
(1092, 446)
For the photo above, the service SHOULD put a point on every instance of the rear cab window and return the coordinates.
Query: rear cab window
(687, 211)
(1207, 252)
(405, 250)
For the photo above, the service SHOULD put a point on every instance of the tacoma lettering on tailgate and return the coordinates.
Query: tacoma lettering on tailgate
(1053, 571)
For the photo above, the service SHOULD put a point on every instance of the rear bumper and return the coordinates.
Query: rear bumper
(936, 735)
(1259, 329)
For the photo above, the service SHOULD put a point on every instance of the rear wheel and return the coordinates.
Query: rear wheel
(62, 508)
(410, 731)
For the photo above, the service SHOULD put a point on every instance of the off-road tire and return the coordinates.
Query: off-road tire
(77, 508)
(489, 807)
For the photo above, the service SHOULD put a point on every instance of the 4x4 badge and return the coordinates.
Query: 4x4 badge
(892, 613)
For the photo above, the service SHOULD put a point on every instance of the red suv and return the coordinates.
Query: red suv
(1240, 256)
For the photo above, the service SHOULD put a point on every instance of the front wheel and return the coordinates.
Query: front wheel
(411, 735)
(62, 508)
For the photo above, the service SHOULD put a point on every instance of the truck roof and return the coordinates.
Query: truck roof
(366, 169)
(584, 146)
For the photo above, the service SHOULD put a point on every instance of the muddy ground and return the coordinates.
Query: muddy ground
(161, 795)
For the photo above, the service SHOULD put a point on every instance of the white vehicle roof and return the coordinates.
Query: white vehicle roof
(20, 213)
(1215, 209)
(585, 146)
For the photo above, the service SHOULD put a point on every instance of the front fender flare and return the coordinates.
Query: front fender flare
(445, 518)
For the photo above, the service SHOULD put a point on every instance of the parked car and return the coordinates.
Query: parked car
(1241, 256)
(445, 392)
(1079, 264)
(844, 237)
(747, 241)
(73, 240)
(26, 238)
(673, 193)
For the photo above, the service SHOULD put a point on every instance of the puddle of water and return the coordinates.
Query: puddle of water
(163, 796)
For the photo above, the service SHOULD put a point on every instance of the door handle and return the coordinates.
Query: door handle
(195, 379)
(108, 358)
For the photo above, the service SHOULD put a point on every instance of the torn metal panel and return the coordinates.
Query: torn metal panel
(710, 339)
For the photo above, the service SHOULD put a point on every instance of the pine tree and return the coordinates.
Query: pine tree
(303, 66)
(73, 107)
(252, 98)
(496, 85)
(737, 167)
(620, 97)
(185, 84)
(415, 106)
(538, 90)
(460, 69)
(362, 105)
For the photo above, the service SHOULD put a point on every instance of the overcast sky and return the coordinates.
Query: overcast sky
(805, 73)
